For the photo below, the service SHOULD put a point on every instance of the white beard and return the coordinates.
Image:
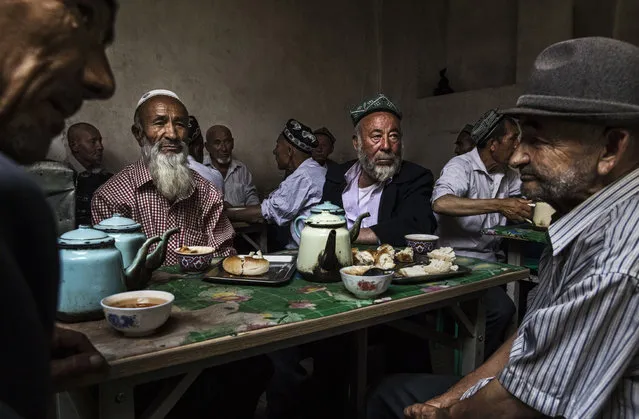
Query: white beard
(224, 161)
(170, 172)
(379, 173)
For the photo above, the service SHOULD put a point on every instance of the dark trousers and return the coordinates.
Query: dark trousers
(229, 391)
(499, 311)
(295, 394)
(399, 391)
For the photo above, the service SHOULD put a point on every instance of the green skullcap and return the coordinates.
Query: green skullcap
(378, 104)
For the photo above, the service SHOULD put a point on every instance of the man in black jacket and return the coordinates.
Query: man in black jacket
(395, 192)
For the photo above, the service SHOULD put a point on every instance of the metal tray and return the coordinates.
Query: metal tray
(402, 280)
(280, 272)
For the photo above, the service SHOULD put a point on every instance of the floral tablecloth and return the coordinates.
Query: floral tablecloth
(517, 232)
(228, 309)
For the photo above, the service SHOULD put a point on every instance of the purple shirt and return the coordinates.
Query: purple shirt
(353, 205)
(295, 196)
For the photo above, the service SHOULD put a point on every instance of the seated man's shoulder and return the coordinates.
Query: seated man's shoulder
(411, 171)
(123, 178)
(14, 180)
(206, 188)
(335, 172)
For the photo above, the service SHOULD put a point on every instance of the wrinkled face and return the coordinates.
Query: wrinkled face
(282, 153)
(87, 147)
(557, 160)
(379, 145)
(53, 58)
(463, 143)
(324, 148)
(219, 144)
(503, 148)
(164, 120)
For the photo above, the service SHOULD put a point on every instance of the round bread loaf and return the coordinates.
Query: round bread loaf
(245, 265)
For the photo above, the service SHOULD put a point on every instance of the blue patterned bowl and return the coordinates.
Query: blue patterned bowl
(195, 262)
(137, 313)
(421, 243)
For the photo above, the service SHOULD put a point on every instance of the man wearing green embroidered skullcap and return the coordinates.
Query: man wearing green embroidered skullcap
(396, 193)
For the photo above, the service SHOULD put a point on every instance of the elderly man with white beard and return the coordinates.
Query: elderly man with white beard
(395, 192)
(159, 191)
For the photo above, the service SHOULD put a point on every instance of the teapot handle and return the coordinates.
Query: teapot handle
(298, 225)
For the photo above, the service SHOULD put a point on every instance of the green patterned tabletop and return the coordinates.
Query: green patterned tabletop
(517, 232)
(204, 311)
(299, 300)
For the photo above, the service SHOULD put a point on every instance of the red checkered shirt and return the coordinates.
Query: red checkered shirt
(199, 216)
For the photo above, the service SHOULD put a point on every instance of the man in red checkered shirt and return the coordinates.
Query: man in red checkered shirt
(159, 191)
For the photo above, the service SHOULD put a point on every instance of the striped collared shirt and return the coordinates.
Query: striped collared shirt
(576, 353)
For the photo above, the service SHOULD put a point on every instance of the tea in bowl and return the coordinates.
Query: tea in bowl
(194, 258)
(421, 243)
(365, 281)
(137, 313)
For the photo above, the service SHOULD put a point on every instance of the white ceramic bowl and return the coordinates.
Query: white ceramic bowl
(140, 321)
(365, 286)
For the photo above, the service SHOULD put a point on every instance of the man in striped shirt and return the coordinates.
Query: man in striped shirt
(575, 354)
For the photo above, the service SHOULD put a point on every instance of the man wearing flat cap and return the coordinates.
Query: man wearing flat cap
(159, 190)
(395, 192)
(575, 354)
(301, 190)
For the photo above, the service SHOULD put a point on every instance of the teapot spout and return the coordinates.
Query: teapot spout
(156, 258)
(136, 278)
(354, 231)
(327, 259)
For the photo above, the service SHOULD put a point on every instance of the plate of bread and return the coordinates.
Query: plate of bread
(253, 268)
(440, 264)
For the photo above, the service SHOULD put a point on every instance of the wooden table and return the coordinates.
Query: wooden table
(135, 361)
(517, 235)
(244, 229)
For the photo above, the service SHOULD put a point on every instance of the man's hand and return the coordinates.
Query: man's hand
(445, 400)
(73, 355)
(516, 209)
(425, 411)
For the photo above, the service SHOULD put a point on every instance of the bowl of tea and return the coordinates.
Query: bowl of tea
(137, 313)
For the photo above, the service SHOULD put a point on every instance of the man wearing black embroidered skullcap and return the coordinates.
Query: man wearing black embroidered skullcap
(298, 192)
(464, 142)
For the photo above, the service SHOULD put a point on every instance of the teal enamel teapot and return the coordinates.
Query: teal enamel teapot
(98, 262)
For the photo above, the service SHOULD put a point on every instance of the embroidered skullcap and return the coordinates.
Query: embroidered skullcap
(300, 136)
(378, 104)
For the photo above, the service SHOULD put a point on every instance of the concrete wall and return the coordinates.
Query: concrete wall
(248, 64)
(253, 64)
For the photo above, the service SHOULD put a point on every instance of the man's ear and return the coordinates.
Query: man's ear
(355, 142)
(616, 142)
(138, 134)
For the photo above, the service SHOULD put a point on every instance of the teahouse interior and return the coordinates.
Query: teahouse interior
(251, 65)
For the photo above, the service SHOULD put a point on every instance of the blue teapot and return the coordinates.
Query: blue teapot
(129, 238)
(92, 269)
(326, 206)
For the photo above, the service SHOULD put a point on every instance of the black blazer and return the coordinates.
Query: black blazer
(404, 206)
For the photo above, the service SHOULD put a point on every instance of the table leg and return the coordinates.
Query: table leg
(358, 380)
(473, 343)
(264, 240)
(513, 288)
(116, 400)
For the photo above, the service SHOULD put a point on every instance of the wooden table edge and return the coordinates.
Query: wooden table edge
(194, 352)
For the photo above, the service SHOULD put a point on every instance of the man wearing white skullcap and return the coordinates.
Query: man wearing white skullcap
(159, 190)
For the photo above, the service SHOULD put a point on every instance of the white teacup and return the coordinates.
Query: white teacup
(542, 215)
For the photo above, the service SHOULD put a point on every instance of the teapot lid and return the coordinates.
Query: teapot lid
(327, 206)
(117, 223)
(83, 237)
(325, 219)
